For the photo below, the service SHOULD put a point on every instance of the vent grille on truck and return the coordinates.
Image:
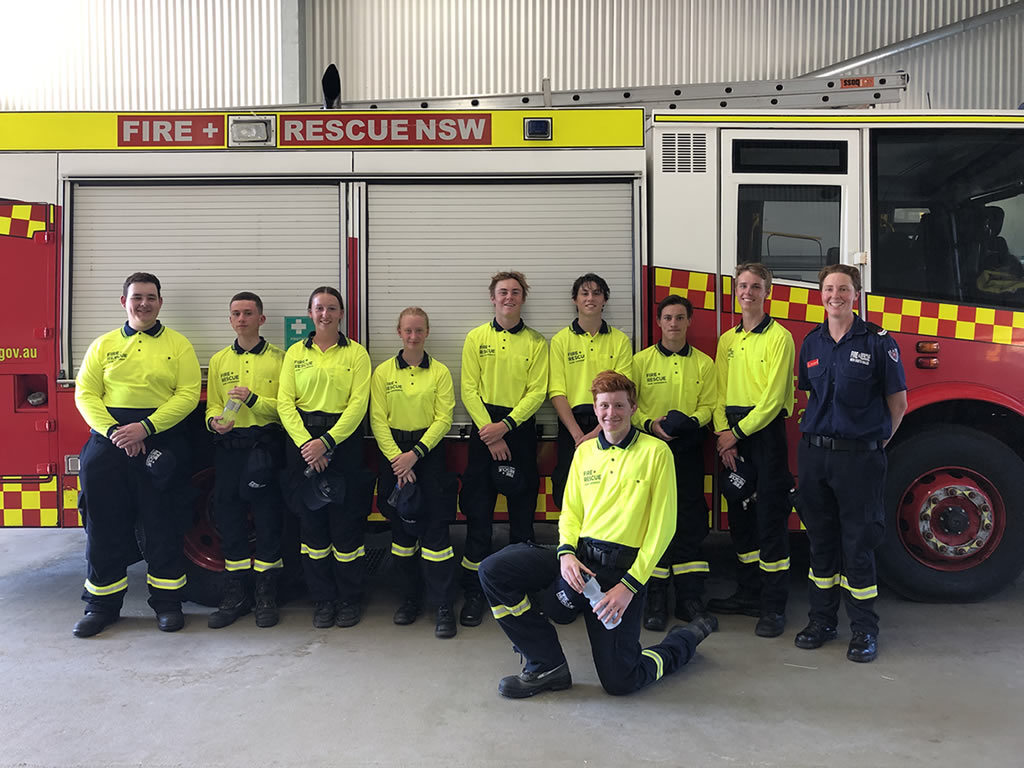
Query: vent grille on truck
(684, 153)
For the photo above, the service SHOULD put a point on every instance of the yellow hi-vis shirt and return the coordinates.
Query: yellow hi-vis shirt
(125, 368)
(504, 368)
(335, 381)
(674, 381)
(410, 398)
(259, 369)
(576, 358)
(755, 369)
(624, 494)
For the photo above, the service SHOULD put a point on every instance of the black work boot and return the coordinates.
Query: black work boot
(656, 607)
(234, 604)
(472, 613)
(267, 614)
(445, 627)
(527, 684)
(691, 609)
(742, 601)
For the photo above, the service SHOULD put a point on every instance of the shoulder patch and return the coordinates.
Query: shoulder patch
(876, 329)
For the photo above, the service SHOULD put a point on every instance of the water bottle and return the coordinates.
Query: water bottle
(592, 591)
(231, 409)
(309, 471)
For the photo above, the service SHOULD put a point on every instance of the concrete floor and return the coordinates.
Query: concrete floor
(947, 689)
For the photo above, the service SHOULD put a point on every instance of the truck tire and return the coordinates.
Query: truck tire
(954, 501)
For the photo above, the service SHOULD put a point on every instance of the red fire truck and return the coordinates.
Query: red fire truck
(422, 206)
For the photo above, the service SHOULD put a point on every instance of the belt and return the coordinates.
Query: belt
(407, 436)
(319, 419)
(607, 554)
(839, 444)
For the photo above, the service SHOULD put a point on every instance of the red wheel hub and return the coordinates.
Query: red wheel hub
(202, 543)
(951, 519)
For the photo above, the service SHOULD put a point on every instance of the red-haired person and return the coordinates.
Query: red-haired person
(618, 515)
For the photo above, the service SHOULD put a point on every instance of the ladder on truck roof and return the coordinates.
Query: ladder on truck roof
(800, 93)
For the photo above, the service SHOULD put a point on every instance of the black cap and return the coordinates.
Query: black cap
(161, 466)
(677, 423)
(259, 472)
(327, 487)
(739, 485)
(407, 501)
(507, 477)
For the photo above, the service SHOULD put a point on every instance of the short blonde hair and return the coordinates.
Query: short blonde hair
(756, 268)
(519, 277)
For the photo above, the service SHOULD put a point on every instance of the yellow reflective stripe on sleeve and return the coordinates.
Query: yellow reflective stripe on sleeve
(653, 655)
(399, 551)
(314, 554)
(748, 557)
(694, 566)
(158, 583)
(109, 589)
(778, 565)
(237, 565)
(349, 557)
(823, 582)
(260, 566)
(501, 611)
(660, 573)
(469, 565)
(437, 555)
(863, 593)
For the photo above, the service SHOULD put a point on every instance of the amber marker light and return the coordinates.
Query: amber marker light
(927, 347)
(927, 362)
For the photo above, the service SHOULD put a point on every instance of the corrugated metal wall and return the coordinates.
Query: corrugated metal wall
(139, 54)
(187, 54)
(417, 48)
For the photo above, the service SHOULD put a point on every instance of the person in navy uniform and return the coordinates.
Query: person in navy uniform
(857, 395)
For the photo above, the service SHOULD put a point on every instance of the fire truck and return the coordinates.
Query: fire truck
(419, 203)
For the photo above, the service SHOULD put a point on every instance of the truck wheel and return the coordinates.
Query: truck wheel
(954, 516)
(204, 563)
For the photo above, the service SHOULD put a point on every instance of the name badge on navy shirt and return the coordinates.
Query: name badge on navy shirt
(863, 358)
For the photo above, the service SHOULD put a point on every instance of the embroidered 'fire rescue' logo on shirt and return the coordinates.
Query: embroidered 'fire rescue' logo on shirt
(486, 350)
(228, 377)
(575, 356)
(116, 357)
(393, 386)
(653, 377)
(591, 477)
(861, 358)
(303, 364)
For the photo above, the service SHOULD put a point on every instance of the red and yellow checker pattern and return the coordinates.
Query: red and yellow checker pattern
(35, 504)
(698, 287)
(929, 318)
(24, 219)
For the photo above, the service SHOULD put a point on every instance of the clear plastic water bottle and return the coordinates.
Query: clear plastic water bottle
(231, 409)
(309, 471)
(592, 591)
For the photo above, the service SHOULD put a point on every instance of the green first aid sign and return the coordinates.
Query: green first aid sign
(296, 328)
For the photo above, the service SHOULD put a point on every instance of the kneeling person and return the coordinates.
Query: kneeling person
(248, 446)
(618, 517)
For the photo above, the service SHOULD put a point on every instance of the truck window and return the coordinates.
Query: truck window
(792, 228)
(948, 215)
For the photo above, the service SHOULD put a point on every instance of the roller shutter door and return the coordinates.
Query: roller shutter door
(205, 243)
(437, 245)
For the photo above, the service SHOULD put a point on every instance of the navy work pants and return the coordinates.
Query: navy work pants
(587, 420)
(332, 537)
(759, 530)
(429, 533)
(682, 560)
(841, 505)
(119, 493)
(515, 576)
(479, 495)
(231, 512)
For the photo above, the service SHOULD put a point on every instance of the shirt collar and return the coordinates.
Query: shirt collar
(578, 329)
(684, 352)
(625, 443)
(156, 330)
(424, 363)
(859, 327)
(258, 349)
(759, 328)
(342, 341)
(514, 329)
